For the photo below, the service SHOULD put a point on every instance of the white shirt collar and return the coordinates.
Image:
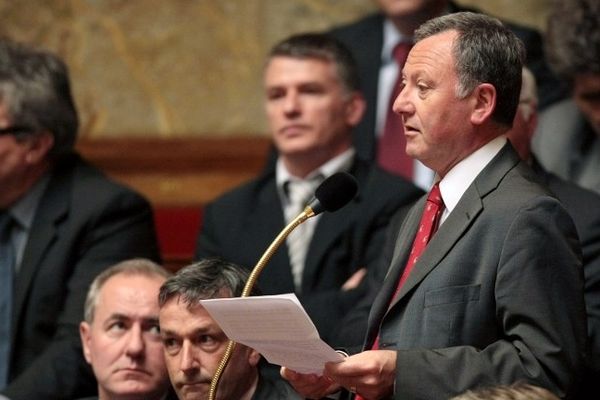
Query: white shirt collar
(341, 162)
(460, 177)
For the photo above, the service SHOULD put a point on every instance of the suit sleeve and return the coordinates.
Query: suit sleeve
(539, 312)
(122, 229)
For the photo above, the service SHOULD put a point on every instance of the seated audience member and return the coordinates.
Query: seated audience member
(312, 103)
(567, 141)
(376, 42)
(120, 332)
(61, 223)
(518, 391)
(584, 207)
(194, 344)
(484, 285)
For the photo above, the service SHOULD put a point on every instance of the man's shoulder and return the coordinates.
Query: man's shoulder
(87, 181)
(245, 193)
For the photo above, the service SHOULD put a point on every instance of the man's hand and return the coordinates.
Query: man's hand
(310, 386)
(370, 374)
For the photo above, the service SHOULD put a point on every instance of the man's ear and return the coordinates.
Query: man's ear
(355, 109)
(39, 147)
(85, 333)
(484, 103)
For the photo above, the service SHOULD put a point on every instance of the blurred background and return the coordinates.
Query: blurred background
(179, 68)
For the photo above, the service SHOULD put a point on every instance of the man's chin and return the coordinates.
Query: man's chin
(193, 391)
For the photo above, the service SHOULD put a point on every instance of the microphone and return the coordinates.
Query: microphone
(334, 193)
(331, 195)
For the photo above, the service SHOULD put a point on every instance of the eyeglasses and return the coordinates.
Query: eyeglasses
(15, 130)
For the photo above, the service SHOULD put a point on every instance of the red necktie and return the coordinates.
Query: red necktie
(427, 227)
(391, 148)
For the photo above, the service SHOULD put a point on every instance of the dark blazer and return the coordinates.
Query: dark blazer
(496, 297)
(240, 225)
(83, 224)
(364, 38)
(584, 207)
(274, 389)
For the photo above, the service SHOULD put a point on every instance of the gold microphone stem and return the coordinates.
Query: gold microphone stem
(260, 265)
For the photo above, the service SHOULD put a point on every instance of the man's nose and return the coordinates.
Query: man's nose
(402, 104)
(135, 342)
(291, 105)
(188, 359)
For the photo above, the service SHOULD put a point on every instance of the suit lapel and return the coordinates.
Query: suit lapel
(457, 223)
(52, 209)
(266, 221)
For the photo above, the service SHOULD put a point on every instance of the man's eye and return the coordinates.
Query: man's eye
(275, 94)
(206, 339)
(171, 345)
(154, 329)
(116, 326)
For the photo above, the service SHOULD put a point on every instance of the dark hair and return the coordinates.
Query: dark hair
(206, 279)
(324, 47)
(485, 51)
(35, 88)
(573, 38)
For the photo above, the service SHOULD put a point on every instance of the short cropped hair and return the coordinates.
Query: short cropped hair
(573, 38)
(485, 51)
(207, 279)
(136, 266)
(324, 47)
(35, 88)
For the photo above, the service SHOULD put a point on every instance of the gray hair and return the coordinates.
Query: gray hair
(136, 266)
(573, 38)
(517, 391)
(206, 279)
(35, 88)
(485, 51)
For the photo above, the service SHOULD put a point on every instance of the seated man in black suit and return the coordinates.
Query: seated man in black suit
(120, 332)
(372, 40)
(194, 343)
(61, 223)
(312, 104)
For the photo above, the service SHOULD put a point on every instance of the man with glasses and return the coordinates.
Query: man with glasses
(61, 223)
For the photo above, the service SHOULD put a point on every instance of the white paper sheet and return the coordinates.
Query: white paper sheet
(277, 327)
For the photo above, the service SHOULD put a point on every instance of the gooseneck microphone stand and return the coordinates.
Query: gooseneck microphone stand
(260, 265)
(332, 194)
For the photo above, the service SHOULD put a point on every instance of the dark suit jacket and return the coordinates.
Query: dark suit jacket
(240, 225)
(496, 297)
(365, 40)
(83, 224)
(584, 207)
(274, 389)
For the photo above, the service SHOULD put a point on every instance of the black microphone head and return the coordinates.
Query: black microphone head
(334, 193)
